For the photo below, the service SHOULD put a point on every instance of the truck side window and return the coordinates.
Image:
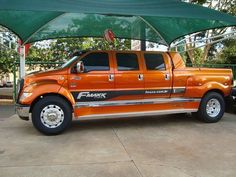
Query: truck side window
(96, 62)
(127, 62)
(154, 62)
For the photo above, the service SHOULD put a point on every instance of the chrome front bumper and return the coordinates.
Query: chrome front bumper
(23, 111)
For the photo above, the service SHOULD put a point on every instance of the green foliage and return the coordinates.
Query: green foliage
(7, 52)
(211, 50)
(62, 49)
(228, 54)
(7, 58)
(58, 50)
(197, 53)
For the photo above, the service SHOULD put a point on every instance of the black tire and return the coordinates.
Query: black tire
(229, 102)
(55, 103)
(214, 115)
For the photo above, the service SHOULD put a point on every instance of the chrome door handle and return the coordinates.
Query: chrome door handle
(111, 77)
(167, 77)
(140, 77)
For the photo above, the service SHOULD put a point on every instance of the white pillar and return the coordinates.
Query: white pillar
(22, 61)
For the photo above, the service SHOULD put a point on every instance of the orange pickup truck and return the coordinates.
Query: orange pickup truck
(104, 84)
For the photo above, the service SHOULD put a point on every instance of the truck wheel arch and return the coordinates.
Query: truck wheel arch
(50, 94)
(214, 90)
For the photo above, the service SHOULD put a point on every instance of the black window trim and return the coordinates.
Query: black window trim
(83, 56)
(154, 70)
(138, 69)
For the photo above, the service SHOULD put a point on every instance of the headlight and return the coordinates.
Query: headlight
(25, 95)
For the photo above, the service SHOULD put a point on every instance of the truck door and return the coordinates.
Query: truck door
(96, 81)
(129, 83)
(157, 75)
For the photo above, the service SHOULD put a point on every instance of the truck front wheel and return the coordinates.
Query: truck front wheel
(212, 108)
(51, 115)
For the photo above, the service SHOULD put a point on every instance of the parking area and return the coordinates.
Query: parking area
(161, 146)
(6, 111)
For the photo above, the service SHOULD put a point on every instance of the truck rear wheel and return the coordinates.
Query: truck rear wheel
(51, 115)
(212, 108)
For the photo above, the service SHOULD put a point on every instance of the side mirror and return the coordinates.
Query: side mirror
(80, 67)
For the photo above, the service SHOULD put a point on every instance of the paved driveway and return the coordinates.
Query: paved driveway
(6, 111)
(162, 146)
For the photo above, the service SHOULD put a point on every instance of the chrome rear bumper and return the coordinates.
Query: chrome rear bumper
(23, 111)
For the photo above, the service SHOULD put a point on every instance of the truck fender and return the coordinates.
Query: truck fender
(67, 94)
(44, 88)
(224, 89)
(197, 89)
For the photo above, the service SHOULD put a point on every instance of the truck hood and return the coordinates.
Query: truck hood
(56, 75)
(47, 73)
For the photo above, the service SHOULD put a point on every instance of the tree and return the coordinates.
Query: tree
(57, 50)
(228, 6)
(62, 49)
(7, 59)
(8, 53)
(228, 54)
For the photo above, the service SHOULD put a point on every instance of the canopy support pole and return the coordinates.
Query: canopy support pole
(22, 61)
(143, 42)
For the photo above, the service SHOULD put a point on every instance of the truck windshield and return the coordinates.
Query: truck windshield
(66, 64)
(73, 59)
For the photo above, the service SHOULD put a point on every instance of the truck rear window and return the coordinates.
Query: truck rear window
(127, 62)
(154, 62)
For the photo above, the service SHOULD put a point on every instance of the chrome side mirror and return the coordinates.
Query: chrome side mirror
(80, 67)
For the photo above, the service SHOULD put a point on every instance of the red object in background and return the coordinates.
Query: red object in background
(27, 46)
(109, 35)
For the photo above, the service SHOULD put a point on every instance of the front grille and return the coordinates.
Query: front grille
(20, 85)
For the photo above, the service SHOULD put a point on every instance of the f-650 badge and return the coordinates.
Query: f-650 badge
(92, 95)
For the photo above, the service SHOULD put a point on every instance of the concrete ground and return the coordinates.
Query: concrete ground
(6, 110)
(161, 146)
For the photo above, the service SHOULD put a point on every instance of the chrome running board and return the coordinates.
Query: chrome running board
(134, 102)
(137, 114)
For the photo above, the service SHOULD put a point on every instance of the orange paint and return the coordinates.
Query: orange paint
(185, 82)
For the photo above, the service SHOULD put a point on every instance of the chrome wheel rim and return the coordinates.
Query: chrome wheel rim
(52, 116)
(213, 107)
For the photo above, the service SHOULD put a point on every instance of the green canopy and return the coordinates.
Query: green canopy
(161, 21)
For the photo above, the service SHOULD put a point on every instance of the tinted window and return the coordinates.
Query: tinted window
(96, 62)
(154, 62)
(127, 61)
